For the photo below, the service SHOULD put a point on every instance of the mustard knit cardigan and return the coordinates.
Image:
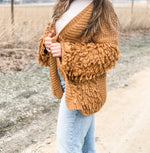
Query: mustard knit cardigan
(83, 65)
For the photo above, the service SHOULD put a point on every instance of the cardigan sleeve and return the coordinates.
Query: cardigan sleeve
(43, 56)
(85, 61)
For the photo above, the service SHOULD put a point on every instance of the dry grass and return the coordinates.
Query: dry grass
(30, 21)
(139, 19)
(29, 24)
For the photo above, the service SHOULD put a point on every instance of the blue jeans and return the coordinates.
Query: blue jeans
(75, 132)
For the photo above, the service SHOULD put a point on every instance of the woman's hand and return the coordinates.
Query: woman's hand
(56, 49)
(47, 41)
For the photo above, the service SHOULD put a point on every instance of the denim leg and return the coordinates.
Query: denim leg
(89, 141)
(61, 81)
(72, 128)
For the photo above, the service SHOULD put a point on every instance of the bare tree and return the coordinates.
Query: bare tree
(12, 11)
(12, 19)
(132, 6)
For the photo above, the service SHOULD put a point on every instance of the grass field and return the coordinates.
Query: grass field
(31, 20)
(28, 111)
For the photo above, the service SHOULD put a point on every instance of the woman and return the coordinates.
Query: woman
(80, 45)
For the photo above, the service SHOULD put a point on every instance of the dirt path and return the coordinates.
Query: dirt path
(28, 110)
(122, 125)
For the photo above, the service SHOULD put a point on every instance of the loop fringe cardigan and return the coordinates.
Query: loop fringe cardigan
(83, 65)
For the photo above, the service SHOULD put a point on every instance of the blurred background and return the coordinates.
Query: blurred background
(28, 110)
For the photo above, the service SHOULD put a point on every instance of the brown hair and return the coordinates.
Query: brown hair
(101, 10)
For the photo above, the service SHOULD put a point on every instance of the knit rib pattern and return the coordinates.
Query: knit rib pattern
(83, 65)
(48, 60)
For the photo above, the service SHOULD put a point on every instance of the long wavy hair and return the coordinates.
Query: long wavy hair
(101, 10)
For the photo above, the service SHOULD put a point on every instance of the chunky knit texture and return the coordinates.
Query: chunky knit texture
(75, 7)
(83, 65)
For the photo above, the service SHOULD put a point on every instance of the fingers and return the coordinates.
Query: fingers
(51, 34)
(56, 53)
(55, 45)
(48, 43)
(47, 40)
(56, 49)
(48, 49)
(48, 46)
(52, 46)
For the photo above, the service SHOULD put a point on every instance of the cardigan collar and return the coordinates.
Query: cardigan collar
(78, 16)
